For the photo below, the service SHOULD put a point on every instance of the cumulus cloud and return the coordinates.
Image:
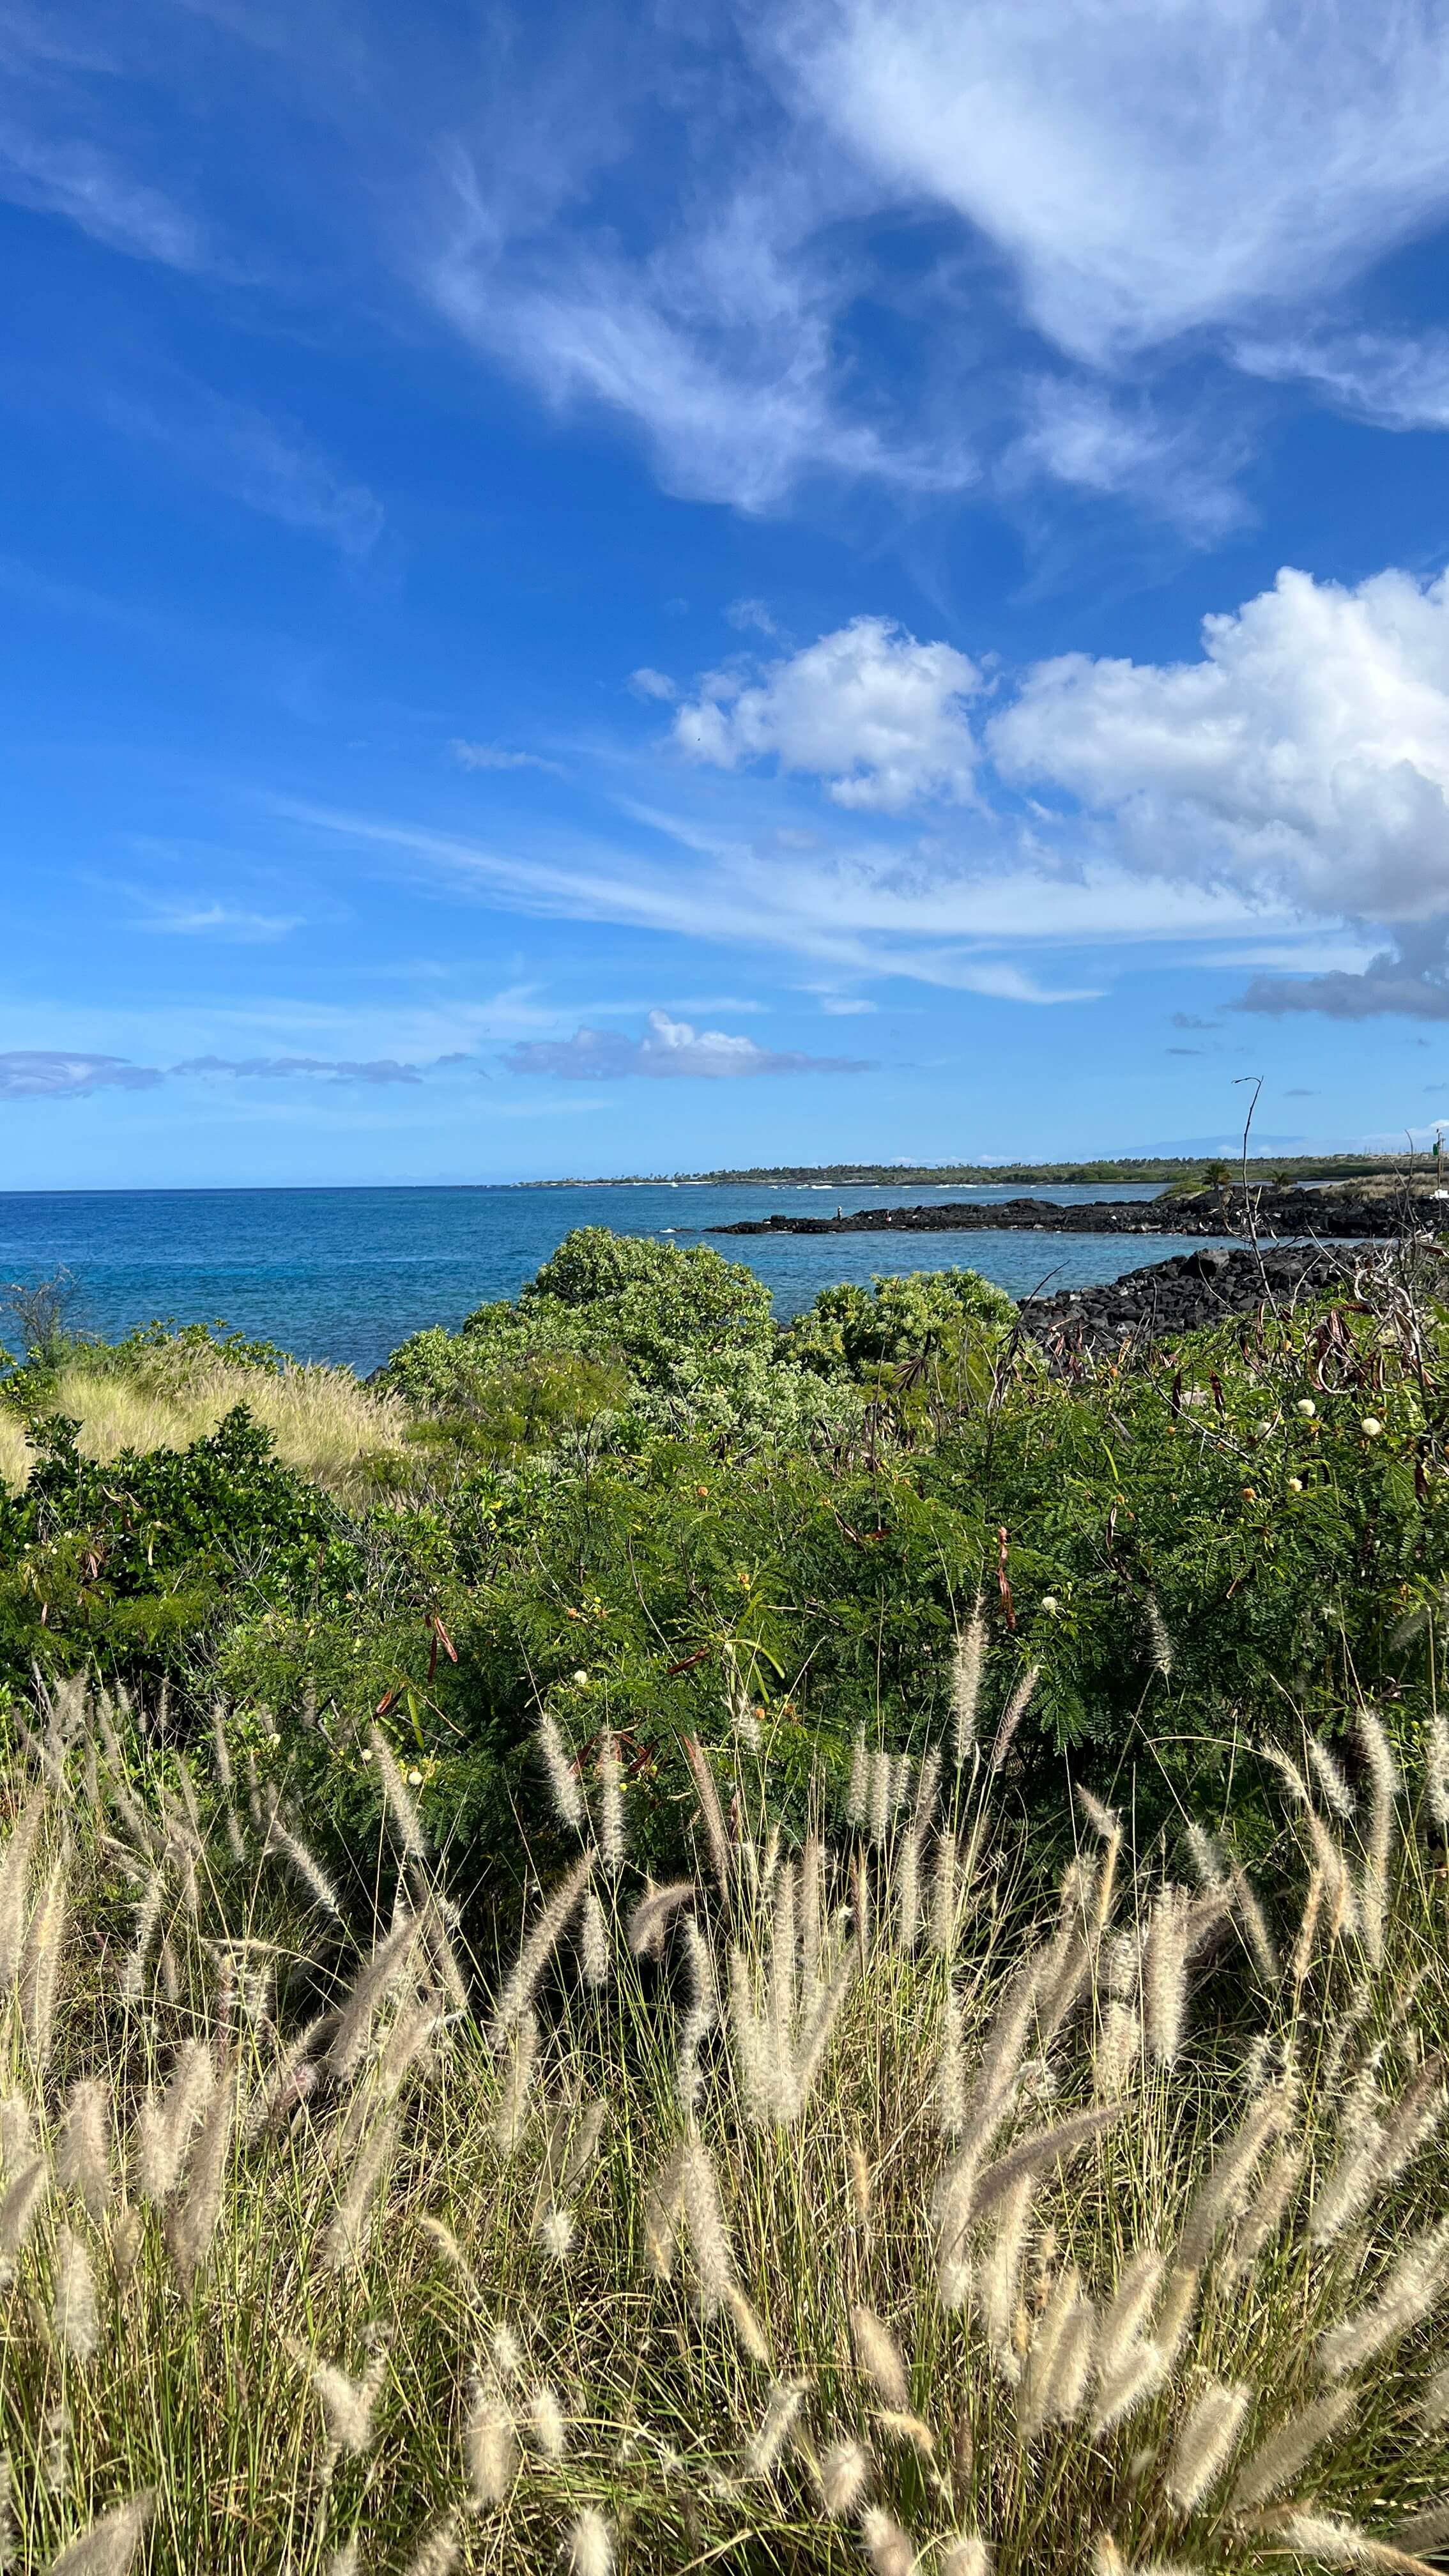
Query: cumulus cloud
(50, 1073)
(652, 684)
(670, 1050)
(877, 715)
(1304, 755)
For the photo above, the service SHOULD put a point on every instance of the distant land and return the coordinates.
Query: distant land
(1165, 1168)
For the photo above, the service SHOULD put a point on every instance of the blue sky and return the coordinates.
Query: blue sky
(594, 590)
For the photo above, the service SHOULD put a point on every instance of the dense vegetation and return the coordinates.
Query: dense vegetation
(659, 1943)
(1121, 1167)
(629, 1483)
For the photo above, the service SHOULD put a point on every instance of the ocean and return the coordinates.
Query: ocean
(346, 1274)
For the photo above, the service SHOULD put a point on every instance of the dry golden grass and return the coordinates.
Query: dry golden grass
(16, 1454)
(838, 2207)
(323, 1422)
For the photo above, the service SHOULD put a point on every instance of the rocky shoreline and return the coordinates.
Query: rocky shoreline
(1194, 1289)
(1277, 1213)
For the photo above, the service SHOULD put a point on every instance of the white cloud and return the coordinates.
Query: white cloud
(1304, 756)
(1147, 168)
(1395, 383)
(90, 188)
(652, 684)
(670, 1051)
(265, 462)
(868, 708)
(491, 755)
(224, 920)
(1088, 437)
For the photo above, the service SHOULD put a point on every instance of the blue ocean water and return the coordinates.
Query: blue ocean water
(346, 1274)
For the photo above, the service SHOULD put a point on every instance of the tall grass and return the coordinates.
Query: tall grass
(322, 1421)
(875, 2202)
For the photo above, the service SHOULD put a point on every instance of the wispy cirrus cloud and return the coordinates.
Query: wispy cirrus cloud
(670, 1050)
(492, 755)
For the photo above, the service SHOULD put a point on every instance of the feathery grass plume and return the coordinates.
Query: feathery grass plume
(490, 2447)
(345, 2561)
(83, 2148)
(782, 2407)
(221, 1765)
(1426, 2530)
(950, 2068)
(966, 2555)
(588, 2546)
(563, 1780)
(1222, 2193)
(1302, 1958)
(900, 1789)
(1038, 2152)
(886, 2546)
(433, 1932)
(857, 1789)
(609, 1771)
(401, 1805)
(1012, 1715)
(547, 2424)
(291, 1848)
(699, 2190)
(408, 2042)
(1118, 2052)
(1433, 2407)
(968, 1657)
(1333, 2543)
(1137, 2377)
(998, 2278)
(438, 2555)
(15, 1882)
(512, 2114)
(907, 1875)
(73, 2311)
(1128, 2310)
(192, 2224)
(1178, 2309)
(1268, 2211)
(56, 2453)
(1378, 1840)
(595, 1957)
(860, 1906)
(368, 1992)
(843, 2474)
(941, 1936)
(1409, 2292)
(662, 2205)
(1254, 1922)
(711, 1813)
(148, 1915)
(346, 2235)
(1337, 1793)
(17, 2131)
(108, 2545)
(347, 2404)
(1158, 1639)
(1164, 1974)
(1207, 1860)
(878, 1796)
(125, 2242)
(1288, 2449)
(702, 2014)
(555, 2231)
(1105, 1822)
(653, 1915)
(40, 1966)
(166, 2124)
(1436, 1770)
(1061, 2317)
(749, 2332)
(878, 2354)
(521, 1984)
(1206, 2442)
